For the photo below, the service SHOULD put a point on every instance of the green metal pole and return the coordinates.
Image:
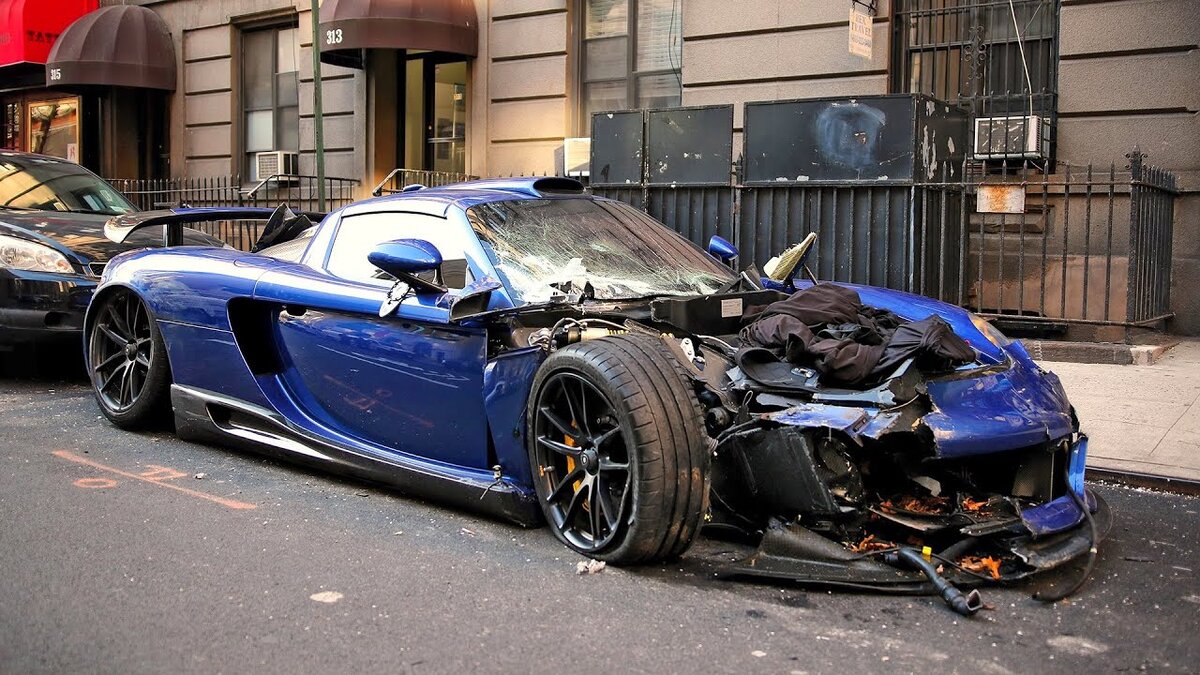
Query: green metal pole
(318, 115)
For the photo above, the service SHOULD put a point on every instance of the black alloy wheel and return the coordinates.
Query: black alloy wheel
(127, 360)
(584, 460)
(618, 450)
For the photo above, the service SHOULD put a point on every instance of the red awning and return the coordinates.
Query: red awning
(28, 28)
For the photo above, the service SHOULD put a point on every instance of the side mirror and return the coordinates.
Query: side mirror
(404, 258)
(720, 248)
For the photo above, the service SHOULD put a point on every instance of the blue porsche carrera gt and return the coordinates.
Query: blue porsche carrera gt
(523, 348)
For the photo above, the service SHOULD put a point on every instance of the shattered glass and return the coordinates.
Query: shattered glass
(552, 248)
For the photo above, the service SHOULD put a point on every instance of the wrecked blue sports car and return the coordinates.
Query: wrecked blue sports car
(522, 348)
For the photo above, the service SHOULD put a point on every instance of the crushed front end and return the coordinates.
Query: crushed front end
(973, 467)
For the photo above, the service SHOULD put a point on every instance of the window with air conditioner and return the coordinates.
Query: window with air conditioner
(996, 59)
(270, 98)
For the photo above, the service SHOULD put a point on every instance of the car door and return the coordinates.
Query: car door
(410, 382)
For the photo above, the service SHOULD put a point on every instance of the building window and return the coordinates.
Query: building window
(270, 92)
(630, 56)
(53, 128)
(967, 52)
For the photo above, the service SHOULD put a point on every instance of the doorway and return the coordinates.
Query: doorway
(435, 105)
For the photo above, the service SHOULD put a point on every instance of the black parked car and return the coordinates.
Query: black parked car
(53, 248)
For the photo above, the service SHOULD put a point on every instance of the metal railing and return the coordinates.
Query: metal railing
(1092, 245)
(297, 191)
(1086, 245)
(151, 194)
(399, 179)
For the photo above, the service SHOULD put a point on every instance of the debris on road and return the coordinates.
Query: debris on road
(589, 566)
(327, 597)
(986, 565)
(200, 476)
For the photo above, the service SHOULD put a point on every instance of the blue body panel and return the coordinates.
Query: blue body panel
(1015, 408)
(506, 384)
(390, 383)
(1063, 513)
(189, 285)
(221, 369)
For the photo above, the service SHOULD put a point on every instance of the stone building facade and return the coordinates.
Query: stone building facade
(493, 87)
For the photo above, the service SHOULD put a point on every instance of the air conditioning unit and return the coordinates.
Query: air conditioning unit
(577, 156)
(279, 163)
(1019, 137)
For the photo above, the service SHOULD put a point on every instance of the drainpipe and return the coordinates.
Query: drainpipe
(318, 115)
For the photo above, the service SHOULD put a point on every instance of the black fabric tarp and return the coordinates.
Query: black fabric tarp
(826, 327)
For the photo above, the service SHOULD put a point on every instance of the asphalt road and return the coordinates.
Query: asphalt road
(117, 558)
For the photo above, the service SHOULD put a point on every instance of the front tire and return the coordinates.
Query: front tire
(618, 449)
(127, 361)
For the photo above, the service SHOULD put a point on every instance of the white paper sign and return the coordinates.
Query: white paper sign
(861, 39)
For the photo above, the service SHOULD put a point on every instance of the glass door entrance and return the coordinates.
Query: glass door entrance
(446, 126)
(435, 125)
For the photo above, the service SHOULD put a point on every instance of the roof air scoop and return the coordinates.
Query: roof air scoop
(557, 185)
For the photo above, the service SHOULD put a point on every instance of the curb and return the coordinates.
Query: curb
(1108, 353)
(1182, 486)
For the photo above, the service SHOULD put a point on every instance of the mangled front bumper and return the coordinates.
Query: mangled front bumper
(1034, 539)
(975, 470)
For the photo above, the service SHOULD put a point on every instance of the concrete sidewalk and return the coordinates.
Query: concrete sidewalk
(1143, 419)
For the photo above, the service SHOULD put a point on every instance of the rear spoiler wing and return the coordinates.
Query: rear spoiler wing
(279, 220)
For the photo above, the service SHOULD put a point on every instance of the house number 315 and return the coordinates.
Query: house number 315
(55, 74)
(333, 37)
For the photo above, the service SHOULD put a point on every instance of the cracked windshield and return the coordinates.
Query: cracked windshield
(553, 249)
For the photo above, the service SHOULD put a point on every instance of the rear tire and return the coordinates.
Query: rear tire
(127, 362)
(619, 453)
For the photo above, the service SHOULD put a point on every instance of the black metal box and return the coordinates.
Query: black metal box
(898, 138)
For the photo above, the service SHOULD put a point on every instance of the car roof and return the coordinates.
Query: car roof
(18, 157)
(439, 200)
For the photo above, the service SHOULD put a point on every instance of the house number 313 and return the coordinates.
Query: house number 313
(333, 37)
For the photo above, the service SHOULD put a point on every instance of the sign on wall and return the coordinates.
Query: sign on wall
(1000, 199)
(861, 38)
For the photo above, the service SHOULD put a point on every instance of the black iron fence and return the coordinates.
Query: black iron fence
(298, 192)
(1151, 220)
(1082, 244)
(1048, 243)
(399, 179)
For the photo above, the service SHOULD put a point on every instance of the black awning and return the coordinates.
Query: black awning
(448, 26)
(122, 46)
